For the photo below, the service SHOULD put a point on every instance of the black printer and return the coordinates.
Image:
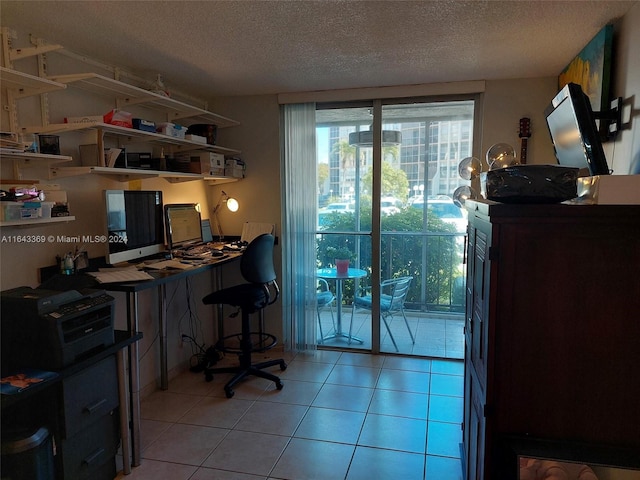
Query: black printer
(50, 329)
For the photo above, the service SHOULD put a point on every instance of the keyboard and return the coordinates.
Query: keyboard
(199, 251)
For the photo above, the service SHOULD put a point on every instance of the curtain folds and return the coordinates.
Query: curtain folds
(298, 171)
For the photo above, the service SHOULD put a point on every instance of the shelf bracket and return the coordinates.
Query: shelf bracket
(39, 49)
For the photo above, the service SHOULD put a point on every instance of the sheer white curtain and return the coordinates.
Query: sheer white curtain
(298, 122)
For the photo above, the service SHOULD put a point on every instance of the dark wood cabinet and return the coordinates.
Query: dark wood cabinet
(552, 334)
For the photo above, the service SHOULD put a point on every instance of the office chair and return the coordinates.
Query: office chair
(325, 298)
(393, 293)
(256, 266)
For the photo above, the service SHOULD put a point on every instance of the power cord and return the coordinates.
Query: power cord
(204, 358)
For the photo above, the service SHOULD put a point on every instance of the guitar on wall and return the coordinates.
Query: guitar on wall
(524, 134)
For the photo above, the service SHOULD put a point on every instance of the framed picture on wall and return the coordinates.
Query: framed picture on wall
(591, 69)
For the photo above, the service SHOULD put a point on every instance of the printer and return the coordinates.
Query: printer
(50, 329)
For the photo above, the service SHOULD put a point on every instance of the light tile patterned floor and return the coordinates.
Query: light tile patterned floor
(340, 415)
(436, 335)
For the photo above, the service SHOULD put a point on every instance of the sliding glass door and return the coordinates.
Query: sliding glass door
(386, 173)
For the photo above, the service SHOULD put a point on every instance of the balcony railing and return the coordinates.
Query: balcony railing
(433, 259)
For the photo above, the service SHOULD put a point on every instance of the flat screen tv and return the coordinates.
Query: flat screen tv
(135, 225)
(574, 134)
(184, 227)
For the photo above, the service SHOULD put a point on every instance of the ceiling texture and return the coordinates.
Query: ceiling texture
(245, 47)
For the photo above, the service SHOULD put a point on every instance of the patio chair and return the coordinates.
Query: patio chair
(393, 293)
(325, 299)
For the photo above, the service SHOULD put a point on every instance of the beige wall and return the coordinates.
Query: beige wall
(504, 103)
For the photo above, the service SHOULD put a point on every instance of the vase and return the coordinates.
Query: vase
(342, 266)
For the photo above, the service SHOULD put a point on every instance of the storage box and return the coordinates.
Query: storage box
(30, 210)
(609, 190)
(195, 138)
(46, 208)
(144, 125)
(207, 163)
(234, 167)
(10, 211)
(49, 144)
(179, 131)
(171, 129)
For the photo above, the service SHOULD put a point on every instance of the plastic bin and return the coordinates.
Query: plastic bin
(27, 454)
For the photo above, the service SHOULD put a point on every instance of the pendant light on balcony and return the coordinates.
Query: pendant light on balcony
(364, 138)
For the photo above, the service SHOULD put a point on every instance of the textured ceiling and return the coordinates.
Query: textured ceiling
(245, 47)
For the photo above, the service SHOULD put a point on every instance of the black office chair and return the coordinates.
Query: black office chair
(256, 266)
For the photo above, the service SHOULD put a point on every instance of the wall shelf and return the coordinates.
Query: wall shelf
(131, 95)
(25, 160)
(26, 85)
(127, 174)
(36, 221)
(130, 133)
(27, 157)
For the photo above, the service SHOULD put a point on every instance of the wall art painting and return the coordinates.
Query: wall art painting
(591, 69)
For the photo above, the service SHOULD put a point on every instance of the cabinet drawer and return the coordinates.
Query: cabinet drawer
(92, 450)
(89, 395)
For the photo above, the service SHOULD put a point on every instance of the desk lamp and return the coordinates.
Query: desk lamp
(232, 205)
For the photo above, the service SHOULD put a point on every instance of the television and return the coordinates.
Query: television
(574, 134)
(135, 226)
(184, 227)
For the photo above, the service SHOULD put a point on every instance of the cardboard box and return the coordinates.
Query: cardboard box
(207, 163)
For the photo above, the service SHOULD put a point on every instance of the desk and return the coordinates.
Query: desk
(332, 274)
(160, 280)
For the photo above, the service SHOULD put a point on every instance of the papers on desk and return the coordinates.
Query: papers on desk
(251, 230)
(168, 264)
(120, 275)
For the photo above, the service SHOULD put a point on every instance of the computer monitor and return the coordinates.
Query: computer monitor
(572, 126)
(135, 227)
(183, 223)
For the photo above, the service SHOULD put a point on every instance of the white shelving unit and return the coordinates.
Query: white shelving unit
(129, 134)
(127, 174)
(130, 95)
(22, 85)
(25, 85)
(34, 222)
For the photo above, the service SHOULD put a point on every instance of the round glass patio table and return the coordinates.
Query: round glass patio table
(332, 274)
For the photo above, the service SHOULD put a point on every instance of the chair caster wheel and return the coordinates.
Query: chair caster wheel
(229, 393)
(283, 366)
(208, 377)
(279, 385)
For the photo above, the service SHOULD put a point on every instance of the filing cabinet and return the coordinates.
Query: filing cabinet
(89, 422)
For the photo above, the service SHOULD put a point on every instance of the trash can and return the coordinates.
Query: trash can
(27, 454)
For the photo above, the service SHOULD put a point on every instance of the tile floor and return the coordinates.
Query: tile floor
(340, 415)
(436, 335)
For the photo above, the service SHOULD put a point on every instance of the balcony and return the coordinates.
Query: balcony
(434, 305)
